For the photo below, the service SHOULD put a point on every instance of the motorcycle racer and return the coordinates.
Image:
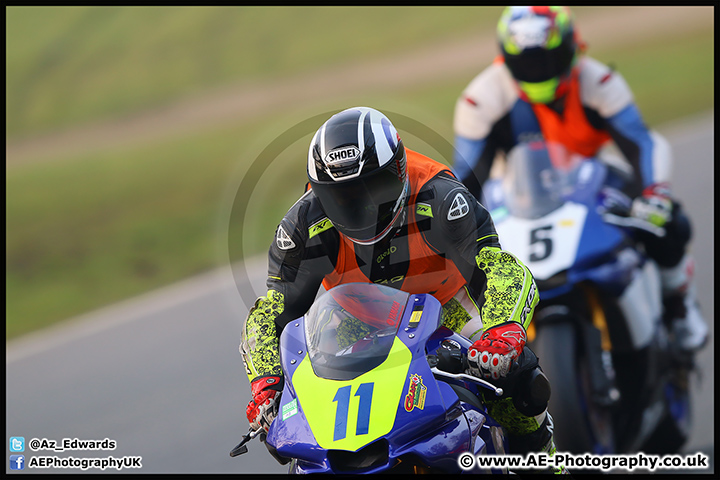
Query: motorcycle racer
(543, 86)
(376, 211)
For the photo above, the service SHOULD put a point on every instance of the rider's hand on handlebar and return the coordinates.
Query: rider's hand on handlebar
(492, 355)
(654, 205)
(263, 407)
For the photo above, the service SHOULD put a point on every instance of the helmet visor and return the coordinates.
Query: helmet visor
(362, 208)
(537, 65)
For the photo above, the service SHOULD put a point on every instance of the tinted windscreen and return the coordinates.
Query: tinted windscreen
(351, 328)
(532, 186)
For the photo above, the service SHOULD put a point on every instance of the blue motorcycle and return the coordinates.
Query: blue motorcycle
(618, 386)
(374, 384)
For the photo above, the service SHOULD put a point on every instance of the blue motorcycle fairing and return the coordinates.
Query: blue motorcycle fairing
(439, 430)
(597, 256)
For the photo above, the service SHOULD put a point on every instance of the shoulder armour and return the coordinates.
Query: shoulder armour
(603, 89)
(487, 99)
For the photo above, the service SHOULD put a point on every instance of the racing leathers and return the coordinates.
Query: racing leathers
(596, 111)
(446, 246)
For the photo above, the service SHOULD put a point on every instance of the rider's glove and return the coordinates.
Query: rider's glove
(492, 355)
(654, 205)
(263, 407)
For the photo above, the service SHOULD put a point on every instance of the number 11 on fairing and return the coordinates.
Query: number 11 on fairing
(342, 397)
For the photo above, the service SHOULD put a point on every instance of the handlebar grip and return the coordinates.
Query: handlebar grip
(618, 210)
(539, 388)
(532, 399)
(451, 360)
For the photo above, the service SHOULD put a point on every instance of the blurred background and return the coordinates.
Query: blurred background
(130, 129)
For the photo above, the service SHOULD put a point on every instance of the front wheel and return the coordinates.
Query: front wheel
(580, 426)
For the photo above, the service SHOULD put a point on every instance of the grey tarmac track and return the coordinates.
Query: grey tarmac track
(161, 374)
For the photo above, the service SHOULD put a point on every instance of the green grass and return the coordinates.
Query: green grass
(671, 79)
(110, 226)
(69, 65)
(84, 232)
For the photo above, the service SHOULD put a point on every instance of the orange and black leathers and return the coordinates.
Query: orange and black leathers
(433, 251)
(580, 128)
(428, 254)
(413, 264)
(569, 125)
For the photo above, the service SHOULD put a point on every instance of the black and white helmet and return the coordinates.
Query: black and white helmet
(357, 169)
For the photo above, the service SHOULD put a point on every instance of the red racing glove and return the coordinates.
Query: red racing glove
(263, 408)
(493, 355)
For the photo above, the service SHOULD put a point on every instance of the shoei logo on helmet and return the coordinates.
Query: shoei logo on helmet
(349, 153)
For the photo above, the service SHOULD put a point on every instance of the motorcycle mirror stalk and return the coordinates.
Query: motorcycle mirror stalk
(241, 447)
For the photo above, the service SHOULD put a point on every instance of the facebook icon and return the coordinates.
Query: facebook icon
(17, 462)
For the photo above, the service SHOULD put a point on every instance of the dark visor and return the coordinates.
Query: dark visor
(361, 208)
(537, 65)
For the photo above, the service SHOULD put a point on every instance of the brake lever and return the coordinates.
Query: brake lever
(462, 376)
(632, 222)
(241, 447)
